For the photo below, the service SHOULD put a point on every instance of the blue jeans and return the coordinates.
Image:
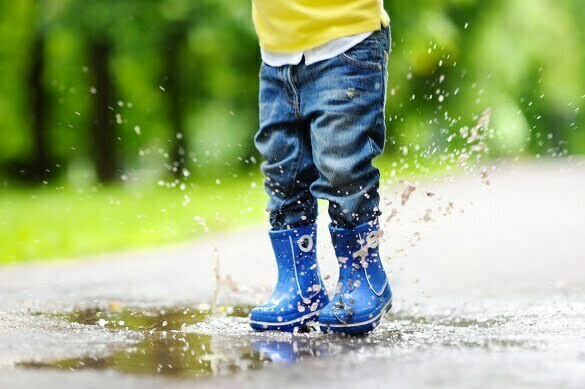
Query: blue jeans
(320, 127)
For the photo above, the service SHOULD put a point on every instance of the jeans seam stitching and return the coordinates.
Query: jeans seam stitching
(295, 92)
(371, 130)
(380, 114)
(288, 90)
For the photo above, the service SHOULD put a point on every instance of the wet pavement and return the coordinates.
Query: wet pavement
(489, 285)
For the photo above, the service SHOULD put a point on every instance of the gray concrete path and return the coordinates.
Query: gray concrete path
(489, 285)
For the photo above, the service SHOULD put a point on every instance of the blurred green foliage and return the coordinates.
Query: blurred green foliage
(145, 92)
(190, 68)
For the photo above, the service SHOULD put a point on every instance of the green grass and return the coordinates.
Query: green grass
(57, 222)
(48, 223)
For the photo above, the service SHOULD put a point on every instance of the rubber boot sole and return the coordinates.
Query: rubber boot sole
(359, 328)
(286, 326)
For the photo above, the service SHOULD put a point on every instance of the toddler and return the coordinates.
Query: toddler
(321, 106)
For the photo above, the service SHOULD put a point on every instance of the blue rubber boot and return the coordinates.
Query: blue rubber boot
(363, 293)
(300, 294)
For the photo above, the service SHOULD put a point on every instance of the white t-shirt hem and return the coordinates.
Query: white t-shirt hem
(323, 52)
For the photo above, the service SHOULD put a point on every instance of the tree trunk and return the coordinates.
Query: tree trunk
(176, 112)
(103, 132)
(40, 160)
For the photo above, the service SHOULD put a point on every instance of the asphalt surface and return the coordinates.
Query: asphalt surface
(489, 284)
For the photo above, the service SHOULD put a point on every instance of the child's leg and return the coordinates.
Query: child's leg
(283, 140)
(344, 100)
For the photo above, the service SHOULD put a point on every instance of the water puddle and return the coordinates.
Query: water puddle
(165, 348)
(189, 342)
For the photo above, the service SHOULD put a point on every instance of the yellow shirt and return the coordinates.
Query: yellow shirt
(285, 26)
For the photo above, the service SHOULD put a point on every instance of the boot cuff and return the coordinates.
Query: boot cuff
(310, 230)
(367, 227)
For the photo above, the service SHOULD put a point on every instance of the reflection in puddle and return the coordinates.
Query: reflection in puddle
(165, 348)
(190, 342)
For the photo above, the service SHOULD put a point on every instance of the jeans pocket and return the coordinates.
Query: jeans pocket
(366, 54)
